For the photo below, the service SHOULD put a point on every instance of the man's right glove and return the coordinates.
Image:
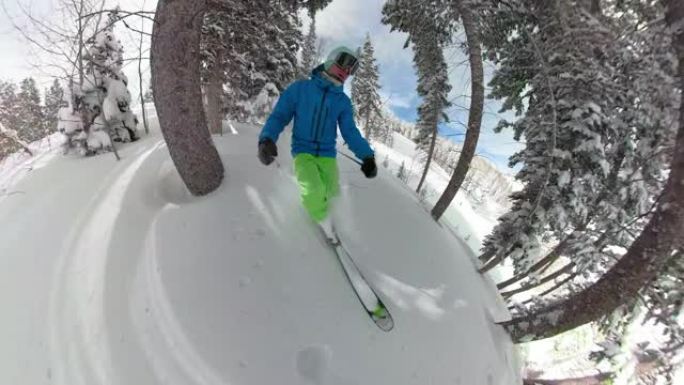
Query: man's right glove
(267, 151)
(370, 170)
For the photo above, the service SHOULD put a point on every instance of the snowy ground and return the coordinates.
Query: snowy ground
(111, 273)
(469, 220)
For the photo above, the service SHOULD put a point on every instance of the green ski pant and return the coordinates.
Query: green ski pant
(318, 180)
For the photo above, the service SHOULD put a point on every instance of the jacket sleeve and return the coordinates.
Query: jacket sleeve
(282, 114)
(355, 141)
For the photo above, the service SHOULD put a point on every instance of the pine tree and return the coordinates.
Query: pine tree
(54, 100)
(31, 118)
(429, 32)
(601, 165)
(365, 92)
(261, 57)
(309, 51)
(8, 117)
(581, 140)
(9, 106)
(213, 50)
(104, 100)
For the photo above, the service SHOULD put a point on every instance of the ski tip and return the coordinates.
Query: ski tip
(382, 318)
(385, 324)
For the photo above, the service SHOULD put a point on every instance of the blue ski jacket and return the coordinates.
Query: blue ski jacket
(317, 106)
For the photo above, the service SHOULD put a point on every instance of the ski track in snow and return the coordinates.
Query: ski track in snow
(114, 274)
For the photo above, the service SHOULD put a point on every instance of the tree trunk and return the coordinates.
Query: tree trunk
(645, 258)
(551, 290)
(567, 269)
(214, 91)
(140, 74)
(178, 94)
(543, 263)
(596, 379)
(367, 128)
(476, 108)
(431, 151)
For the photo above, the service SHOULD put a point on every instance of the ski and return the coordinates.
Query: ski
(373, 305)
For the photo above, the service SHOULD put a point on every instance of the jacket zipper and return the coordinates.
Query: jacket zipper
(318, 124)
(313, 120)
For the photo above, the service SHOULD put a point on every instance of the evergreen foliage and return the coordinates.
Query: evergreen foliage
(54, 100)
(365, 88)
(309, 52)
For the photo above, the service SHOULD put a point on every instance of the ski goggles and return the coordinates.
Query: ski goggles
(347, 62)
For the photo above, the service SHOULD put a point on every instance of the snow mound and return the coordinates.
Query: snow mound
(134, 281)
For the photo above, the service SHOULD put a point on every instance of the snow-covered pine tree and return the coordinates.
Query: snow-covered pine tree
(9, 105)
(599, 129)
(429, 25)
(312, 6)
(31, 116)
(103, 100)
(213, 48)
(582, 126)
(18, 116)
(365, 89)
(281, 41)
(54, 100)
(260, 56)
(309, 51)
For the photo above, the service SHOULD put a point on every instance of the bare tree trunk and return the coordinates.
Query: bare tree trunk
(661, 238)
(596, 379)
(178, 94)
(550, 258)
(213, 92)
(476, 108)
(142, 95)
(567, 269)
(551, 290)
(366, 127)
(81, 47)
(431, 151)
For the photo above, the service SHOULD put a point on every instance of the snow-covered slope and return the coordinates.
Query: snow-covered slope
(470, 219)
(111, 273)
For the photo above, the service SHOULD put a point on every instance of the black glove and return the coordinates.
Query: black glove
(267, 151)
(370, 170)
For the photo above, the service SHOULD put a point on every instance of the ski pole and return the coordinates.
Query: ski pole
(350, 158)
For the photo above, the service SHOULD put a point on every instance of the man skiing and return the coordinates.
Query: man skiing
(318, 105)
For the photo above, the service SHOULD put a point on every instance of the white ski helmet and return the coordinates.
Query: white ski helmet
(342, 62)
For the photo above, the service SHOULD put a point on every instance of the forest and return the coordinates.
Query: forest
(591, 230)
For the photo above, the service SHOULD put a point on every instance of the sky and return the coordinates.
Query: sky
(343, 22)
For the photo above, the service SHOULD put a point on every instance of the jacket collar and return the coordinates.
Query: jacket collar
(321, 81)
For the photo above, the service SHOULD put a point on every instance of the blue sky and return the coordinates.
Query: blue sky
(343, 22)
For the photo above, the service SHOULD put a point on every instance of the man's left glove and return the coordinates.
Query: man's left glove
(370, 170)
(267, 151)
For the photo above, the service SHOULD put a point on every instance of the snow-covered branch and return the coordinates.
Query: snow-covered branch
(13, 136)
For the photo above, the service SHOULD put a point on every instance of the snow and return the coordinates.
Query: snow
(134, 281)
(467, 219)
(14, 167)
